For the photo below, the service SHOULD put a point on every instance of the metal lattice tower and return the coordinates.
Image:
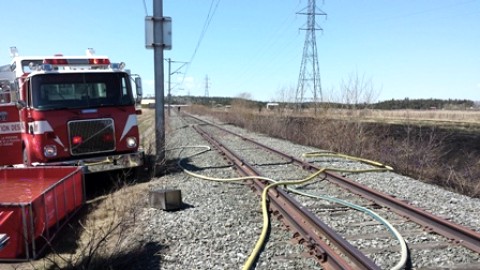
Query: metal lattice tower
(206, 86)
(309, 77)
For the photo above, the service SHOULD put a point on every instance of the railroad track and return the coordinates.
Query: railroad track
(369, 245)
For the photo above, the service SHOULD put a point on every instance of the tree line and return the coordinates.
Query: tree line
(425, 104)
(393, 104)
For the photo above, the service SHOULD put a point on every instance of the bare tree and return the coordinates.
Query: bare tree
(357, 89)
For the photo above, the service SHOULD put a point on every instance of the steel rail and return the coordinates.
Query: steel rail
(308, 229)
(454, 232)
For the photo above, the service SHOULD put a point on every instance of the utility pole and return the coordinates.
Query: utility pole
(158, 36)
(206, 86)
(169, 97)
(309, 77)
(159, 79)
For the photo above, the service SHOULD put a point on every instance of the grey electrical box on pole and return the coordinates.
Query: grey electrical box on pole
(165, 40)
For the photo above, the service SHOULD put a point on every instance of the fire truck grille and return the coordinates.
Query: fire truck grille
(91, 136)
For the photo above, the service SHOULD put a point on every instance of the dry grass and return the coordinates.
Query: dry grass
(447, 118)
(426, 152)
(105, 237)
(426, 117)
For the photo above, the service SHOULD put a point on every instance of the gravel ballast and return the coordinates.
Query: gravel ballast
(220, 223)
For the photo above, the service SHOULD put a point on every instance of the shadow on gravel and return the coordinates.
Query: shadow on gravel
(144, 257)
(183, 206)
(171, 166)
(188, 166)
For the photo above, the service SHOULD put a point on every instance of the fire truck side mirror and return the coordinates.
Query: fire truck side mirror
(21, 104)
(138, 86)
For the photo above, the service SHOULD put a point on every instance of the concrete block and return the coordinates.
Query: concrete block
(166, 199)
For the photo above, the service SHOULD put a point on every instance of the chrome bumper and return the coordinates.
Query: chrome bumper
(104, 163)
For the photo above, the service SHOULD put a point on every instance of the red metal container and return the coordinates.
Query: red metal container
(35, 202)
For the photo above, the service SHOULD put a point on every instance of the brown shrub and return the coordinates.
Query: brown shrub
(416, 151)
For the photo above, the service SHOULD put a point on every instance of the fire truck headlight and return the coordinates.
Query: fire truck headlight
(131, 142)
(50, 151)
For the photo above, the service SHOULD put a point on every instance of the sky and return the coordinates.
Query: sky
(389, 49)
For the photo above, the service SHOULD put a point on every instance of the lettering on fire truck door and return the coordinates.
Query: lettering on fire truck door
(10, 135)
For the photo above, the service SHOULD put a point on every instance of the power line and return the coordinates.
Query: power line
(206, 24)
(145, 7)
(271, 50)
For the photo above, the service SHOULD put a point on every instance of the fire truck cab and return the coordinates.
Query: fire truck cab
(61, 110)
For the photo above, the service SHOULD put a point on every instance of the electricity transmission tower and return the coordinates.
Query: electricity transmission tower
(309, 77)
(206, 86)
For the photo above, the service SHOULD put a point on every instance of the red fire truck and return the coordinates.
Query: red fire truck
(78, 110)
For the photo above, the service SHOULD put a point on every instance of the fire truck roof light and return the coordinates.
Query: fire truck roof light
(47, 67)
(56, 61)
(75, 61)
(119, 66)
(99, 61)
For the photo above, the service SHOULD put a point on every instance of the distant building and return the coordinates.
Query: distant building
(148, 103)
(271, 105)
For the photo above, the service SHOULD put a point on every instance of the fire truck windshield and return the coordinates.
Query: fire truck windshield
(80, 90)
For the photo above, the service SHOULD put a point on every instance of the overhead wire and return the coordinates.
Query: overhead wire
(145, 7)
(277, 43)
(211, 12)
(416, 13)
